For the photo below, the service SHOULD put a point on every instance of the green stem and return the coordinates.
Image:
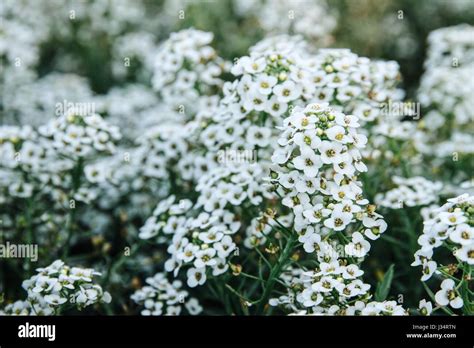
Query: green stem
(76, 183)
(29, 230)
(275, 273)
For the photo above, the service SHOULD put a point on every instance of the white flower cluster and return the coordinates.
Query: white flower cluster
(316, 170)
(267, 86)
(187, 68)
(25, 151)
(161, 145)
(283, 44)
(12, 139)
(356, 84)
(452, 227)
(446, 91)
(200, 243)
(27, 28)
(21, 35)
(410, 192)
(450, 46)
(57, 287)
(332, 289)
(133, 99)
(77, 134)
(223, 186)
(37, 307)
(272, 80)
(135, 50)
(161, 297)
(311, 19)
(315, 174)
(275, 78)
(34, 103)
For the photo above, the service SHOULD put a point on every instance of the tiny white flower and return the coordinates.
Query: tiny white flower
(448, 295)
(425, 307)
(196, 276)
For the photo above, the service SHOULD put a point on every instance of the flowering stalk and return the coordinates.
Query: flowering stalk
(450, 227)
(315, 174)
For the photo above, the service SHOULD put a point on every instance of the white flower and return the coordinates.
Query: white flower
(309, 162)
(312, 243)
(359, 247)
(315, 213)
(448, 295)
(466, 253)
(266, 83)
(421, 256)
(425, 307)
(205, 258)
(331, 152)
(287, 91)
(338, 220)
(351, 272)
(55, 299)
(462, 234)
(275, 107)
(196, 276)
(338, 133)
(311, 297)
(259, 136)
(454, 218)
(429, 267)
(193, 306)
(307, 138)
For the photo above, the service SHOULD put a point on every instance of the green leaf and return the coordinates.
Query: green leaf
(383, 287)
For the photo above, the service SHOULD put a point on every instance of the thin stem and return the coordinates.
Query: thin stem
(275, 273)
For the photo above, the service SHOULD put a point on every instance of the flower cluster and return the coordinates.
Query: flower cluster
(58, 287)
(445, 93)
(161, 297)
(312, 19)
(34, 103)
(358, 85)
(410, 192)
(332, 289)
(451, 46)
(451, 228)
(76, 134)
(29, 160)
(223, 187)
(187, 68)
(200, 243)
(37, 307)
(133, 99)
(316, 173)
(241, 131)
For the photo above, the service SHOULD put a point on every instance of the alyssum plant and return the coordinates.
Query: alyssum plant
(285, 182)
